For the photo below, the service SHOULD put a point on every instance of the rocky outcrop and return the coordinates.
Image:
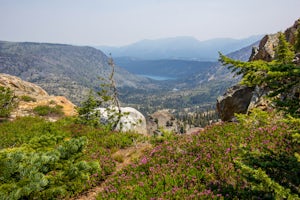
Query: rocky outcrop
(259, 99)
(30, 96)
(266, 49)
(162, 119)
(235, 100)
(131, 119)
(21, 87)
(269, 43)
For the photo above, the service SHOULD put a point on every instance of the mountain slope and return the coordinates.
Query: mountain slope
(218, 73)
(186, 48)
(166, 67)
(61, 69)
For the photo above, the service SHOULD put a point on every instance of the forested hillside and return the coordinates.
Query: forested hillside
(176, 69)
(61, 69)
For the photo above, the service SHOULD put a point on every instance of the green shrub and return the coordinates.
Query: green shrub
(47, 167)
(87, 113)
(46, 110)
(52, 102)
(55, 156)
(6, 102)
(27, 98)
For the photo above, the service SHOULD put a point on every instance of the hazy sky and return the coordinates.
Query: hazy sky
(120, 22)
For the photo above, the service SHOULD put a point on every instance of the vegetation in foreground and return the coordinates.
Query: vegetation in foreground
(256, 158)
(251, 159)
(55, 160)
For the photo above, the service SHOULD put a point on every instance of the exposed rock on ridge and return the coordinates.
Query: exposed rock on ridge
(21, 87)
(269, 43)
(39, 96)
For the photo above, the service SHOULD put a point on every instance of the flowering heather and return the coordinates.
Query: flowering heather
(207, 165)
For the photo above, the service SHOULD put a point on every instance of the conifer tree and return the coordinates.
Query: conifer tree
(107, 98)
(6, 101)
(297, 44)
(87, 113)
(284, 54)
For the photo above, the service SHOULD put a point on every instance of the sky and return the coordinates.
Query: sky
(121, 22)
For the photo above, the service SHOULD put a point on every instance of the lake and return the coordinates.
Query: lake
(157, 78)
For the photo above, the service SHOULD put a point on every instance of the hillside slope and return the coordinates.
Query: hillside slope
(218, 72)
(167, 67)
(61, 69)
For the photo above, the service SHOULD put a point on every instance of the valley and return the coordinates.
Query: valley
(148, 85)
(195, 86)
(167, 118)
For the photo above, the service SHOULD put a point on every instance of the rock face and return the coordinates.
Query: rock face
(21, 87)
(36, 97)
(267, 46)
(258, 99)
(235, 100)
(132, 120)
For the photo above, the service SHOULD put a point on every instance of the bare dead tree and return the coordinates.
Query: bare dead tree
(113, 87)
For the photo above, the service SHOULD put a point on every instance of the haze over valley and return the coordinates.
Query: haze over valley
(139, 99)
(164, 60)
(148, 85)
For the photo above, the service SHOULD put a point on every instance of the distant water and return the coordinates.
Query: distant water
(157, 78)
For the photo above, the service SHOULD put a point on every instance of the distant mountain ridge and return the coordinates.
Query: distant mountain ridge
(218, 72)
(184, 48)
(61, 69)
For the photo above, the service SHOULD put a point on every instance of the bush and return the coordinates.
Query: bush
(52, 160)
(6, 102)
(47, 167)
(27, 98)
(48, 110)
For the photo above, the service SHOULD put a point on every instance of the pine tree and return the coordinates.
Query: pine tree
(87, 113)
(284, 53)
(7, 102)
(297, 44)
(107, 98)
